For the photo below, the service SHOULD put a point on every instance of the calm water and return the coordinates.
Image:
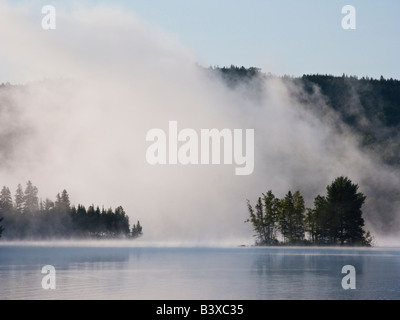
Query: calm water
(118, 272)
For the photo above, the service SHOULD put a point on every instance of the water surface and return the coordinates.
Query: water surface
(129, 272)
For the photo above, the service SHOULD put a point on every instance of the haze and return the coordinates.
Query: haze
(103, 78)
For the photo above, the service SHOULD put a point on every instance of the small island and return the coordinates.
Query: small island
(28, 218)
(336, 218)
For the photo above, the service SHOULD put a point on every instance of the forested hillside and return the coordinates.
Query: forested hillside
(369, 107)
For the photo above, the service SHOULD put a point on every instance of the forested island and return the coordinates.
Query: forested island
(28, 218)
(336, 218)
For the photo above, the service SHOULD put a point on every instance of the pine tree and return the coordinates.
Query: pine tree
(310, 225)
(271, 207)
(6, 204)
(257, 220)
(286, 217)
(47, 205)
(344, 204)
(298, 217)
(19, 199)
(324, 225)
(65, 203)
(57, 202)
(139, 228)
(62, 203)
(136, 230)
(122, 221)
(316, 221)
(291, 217)
(31, 200)
(260, 221)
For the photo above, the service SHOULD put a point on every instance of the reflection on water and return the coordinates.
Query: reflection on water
(88, 272)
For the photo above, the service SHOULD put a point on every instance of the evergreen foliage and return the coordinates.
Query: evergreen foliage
(370, 108)
(336, 218)
(26, 218)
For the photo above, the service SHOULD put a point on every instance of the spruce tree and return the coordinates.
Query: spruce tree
(310, 225)
(344, 204)
(286, 217)
(47, 205)
(136, 230)
(325, 230)
(31, 200)
(298, 217)
(6, 204)
(19, 199)
(271, 208)
(257, 220)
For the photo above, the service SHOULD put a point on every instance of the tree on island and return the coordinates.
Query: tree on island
(137, 230)
(336, 218)
(291, 217)
(265, 218)
(343, 212)
(30, 218)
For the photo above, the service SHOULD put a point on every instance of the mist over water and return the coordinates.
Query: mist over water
(102, 79)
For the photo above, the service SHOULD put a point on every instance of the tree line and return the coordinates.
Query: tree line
(369, 107)
(27, 217)
(336, 218)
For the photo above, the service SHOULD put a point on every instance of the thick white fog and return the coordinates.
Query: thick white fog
(99, 82)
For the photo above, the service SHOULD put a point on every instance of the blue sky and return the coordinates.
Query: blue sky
(283, 37)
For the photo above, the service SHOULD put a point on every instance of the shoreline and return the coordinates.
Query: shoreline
(128, 243)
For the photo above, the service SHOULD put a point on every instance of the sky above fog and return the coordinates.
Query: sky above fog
(116, 72)
(282, 37)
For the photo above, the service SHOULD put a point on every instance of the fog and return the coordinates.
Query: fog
(98, 83)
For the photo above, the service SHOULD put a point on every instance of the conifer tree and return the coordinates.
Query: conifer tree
(136, 230)
(6, 204)
(271, 207)
(19, 199)
(344, 204)
(298, 217)
(31, 200)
